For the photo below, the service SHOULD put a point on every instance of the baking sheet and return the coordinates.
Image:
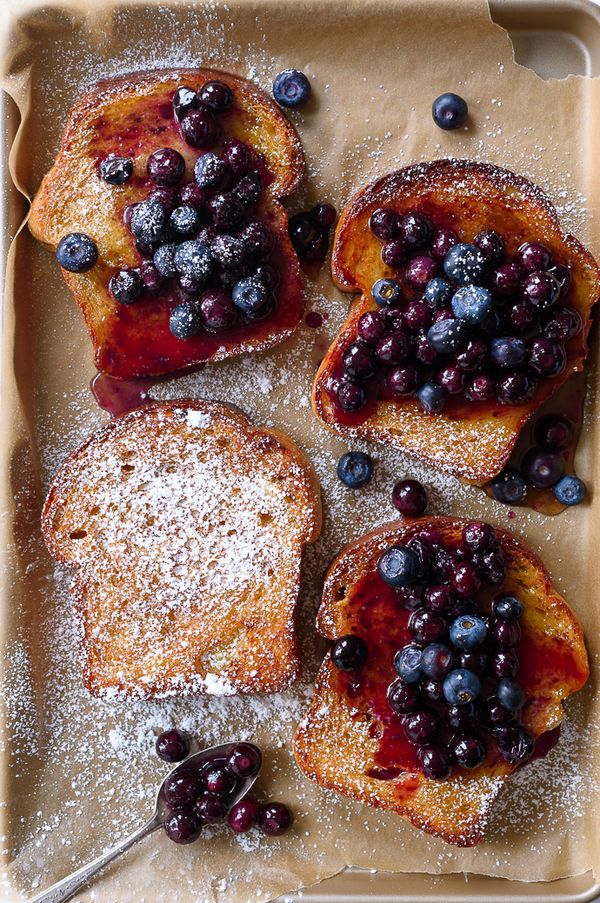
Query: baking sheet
(78, 772)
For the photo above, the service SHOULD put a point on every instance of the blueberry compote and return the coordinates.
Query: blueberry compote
(309, 234)
(458, 320)
(448, 666)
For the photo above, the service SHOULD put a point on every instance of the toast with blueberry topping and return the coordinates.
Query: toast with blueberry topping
(163, 209)
(474, 308)
(451, 657)
(185, 525)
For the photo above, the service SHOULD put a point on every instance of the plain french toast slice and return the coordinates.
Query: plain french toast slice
(337, 743)
(472, 440)
(133, 116)
(185, 524)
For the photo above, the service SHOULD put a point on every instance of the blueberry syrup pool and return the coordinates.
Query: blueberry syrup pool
(437, 660)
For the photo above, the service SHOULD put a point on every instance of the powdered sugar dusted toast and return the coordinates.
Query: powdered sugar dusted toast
(185, 524)
(471, 437)
(351, 741)
(131, 117)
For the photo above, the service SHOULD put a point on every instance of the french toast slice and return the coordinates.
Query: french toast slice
(132, 116)
(472, 439)
(185, 524)
(352, 742)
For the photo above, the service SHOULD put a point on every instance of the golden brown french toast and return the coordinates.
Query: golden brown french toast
(413, 734)
(126, 178)
(483, 312)
(185, 524)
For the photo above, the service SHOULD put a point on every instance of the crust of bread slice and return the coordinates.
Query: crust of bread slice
(132, 115)
(185, 524)
(476, 441)
(335, 744)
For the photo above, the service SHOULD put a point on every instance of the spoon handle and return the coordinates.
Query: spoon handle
(65, 889)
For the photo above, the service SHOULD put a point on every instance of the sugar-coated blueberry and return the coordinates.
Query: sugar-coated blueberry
(148, 221)
(449, 111)
(438, 292)
(291, 88)
(355, 469)
(185, 321)
(398, 566)
(468, 632)
(164, 260)
(194, 259)
(116, 170)
(472, 304)
(249, 294)
(126, 285)
(185, 221)
(76, 252)
(210, 171)
(570, 490)
(464, 264)
(461, 687)
(349, 653)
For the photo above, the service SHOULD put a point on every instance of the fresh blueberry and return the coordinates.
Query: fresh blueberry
(468, 631)
(449, 111)
(435, 763)
(166, 166)
(438, 292)
(508, 351)
(543, 469)
(183, 827)
(249, 294)
(436, 660)
(464, 264)
(409, 497)
(274, 819)
(355, 469)
(200, 128)
(217, 310)
(461, 687)
(184, 100)
(116, 170)
(431, 397)
(291, 88)
(398, 566)
(244, 760)
(193, 259)
(185, 321)
(402, 697)
(126, 285)
(148, 221)
(407, 663)
(507, 607)
(210, 171)
(510, 694)
(172, 746)
(448, 335)
(472, 304)
(570, 490)
(349, 653)
(386, 292)
(244, 815)
(185, 221)
(216, 96)
(468, 752)
(76, 252)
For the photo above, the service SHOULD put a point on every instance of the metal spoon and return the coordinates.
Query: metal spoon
(65, 889)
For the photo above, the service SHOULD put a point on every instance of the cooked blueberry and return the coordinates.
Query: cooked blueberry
(349, 653)
(491, 246)
(210, 808)
(384, 223)
(257, 239)
(435, 763)
(402, 380)
(172, 746)
(185, 321)
(249, 294)
(516, 388)
(185, 221)
(515, 744)
(521, 315)
(553, 432)
(324, 215)
(492, 565)
(200, 128)
(541, 289)
(217, 778)
(355, 469)
(184, 100)
(474, 661)
(468, 752)
(274, 819)
(461, 687)
(244, 760)
(468, 632)
(386, 292)
(420, 271)
(478, 536)
(409, 497)
(226, 211)
(543, 469)
(465, 579)
(461, 717)
(194, 259)
(546, 357)
(426, 626)
(439, 598)
(449, 111)
(420, 727)
(506, 634)
(183, 827)
(217, 96)
(436, 660)
(238, 157)
(451, 379)
(217, 310)
(448, 335)
(398, 566)
(148, 221)
(210, 171)
(152, 279)
(191, 195)
(393, 252)
(438, 292)
(562, 323)
(358, 360)
(393, 348)
(431, 397)
(181, 789)
(407, 663)
(166, 166)
(443, 240)
(505, 664)
(76, 252)
(510, 694)
(507, 607)
(532, 256)
(116, 170)
(464, 264)
(402, 697)
(508, 351)
(244, 815)
(472, 304)
(416, 230)
(472, 356)
(506, 280)
(351, 396)
(126, 285)
(570, 490)
(411, 597)
(417, 315)
(562, 274)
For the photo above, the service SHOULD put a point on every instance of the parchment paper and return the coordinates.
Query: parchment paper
(78, 773)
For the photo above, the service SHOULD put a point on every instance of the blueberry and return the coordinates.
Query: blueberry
(449, 111)
(185, 221)
(435, 763)
(533, 256)
(420, 271)
(200, 128)
(461, 687)
(191, 195)
(393, 348)
(393, 253)
(543, 469)
(152, 279)
(355, 469)
(562, 274)
(508, 351)
(116, 170)
(148, 221)
(472, 304)
(553, 432)
(217, 778)
(359, 361)
(181, 789)
(562, 323)
(184, 100)
(570, 490)
(76, 252)
(516, 388)
(464, 264)
(436, 660)
(184, 321)
(210, 808)
(244, 760)
(542, 289)
(478, 536)
(426, 626)
(506, 634)
(491, 245)
(166, 166)
(438, 292)
(384, 223)
(410, 497)
(257, 239)
(421, 727)
(507, 607)
(217, 310)
(250, 295)
(183, 827)
(515, 744)
(274, 819)
(407, 663)
(351, 395)
(448, 335)
(546, 357)
(402, 697)
(468, 631)
(506, 280)
(386, 292)
(226, 210)
(164, 260)
(324, 215)
(244, 815)
(402, 380)
(349, 653)
(443, 240)
(228, 251)
(291, 88)
(172, 746)
(237, 157)
(217, 96)
(431, 397)
(193, 259)
(510, 694)
(398, 566)
(126, 285)
(210, 171)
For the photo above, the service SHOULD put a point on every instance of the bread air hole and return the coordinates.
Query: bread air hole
(78, 534)
(265, 518)
(127, 468)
